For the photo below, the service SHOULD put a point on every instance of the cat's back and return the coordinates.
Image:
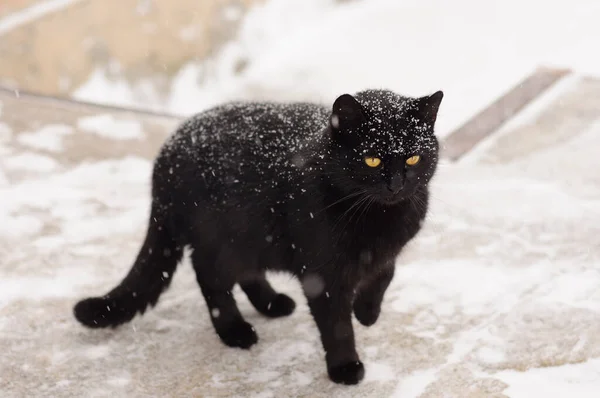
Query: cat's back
(238, 149)
(254, 131)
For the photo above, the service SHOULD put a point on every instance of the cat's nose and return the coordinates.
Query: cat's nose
(394, 190)
(396, 184)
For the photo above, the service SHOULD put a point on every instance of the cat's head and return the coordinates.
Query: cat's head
(382, 144)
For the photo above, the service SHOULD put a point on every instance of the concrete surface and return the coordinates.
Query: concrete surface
(497, 297)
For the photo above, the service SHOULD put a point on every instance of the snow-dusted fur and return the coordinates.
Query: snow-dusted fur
(252, 187)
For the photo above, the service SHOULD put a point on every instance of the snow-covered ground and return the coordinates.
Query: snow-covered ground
(497, 297)
(317, 49)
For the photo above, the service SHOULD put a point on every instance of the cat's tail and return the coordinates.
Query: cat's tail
(150, 275)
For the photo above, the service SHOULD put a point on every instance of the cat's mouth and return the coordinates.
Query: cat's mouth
(391, 199)
(394, 198)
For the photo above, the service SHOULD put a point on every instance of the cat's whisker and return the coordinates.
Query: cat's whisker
(345, 213)
(350, 196)
(360, 203)
(367, 207)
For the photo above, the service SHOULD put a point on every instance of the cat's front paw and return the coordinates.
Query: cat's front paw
(348, 373)
(239, 334)
(281, 305)
(367, 313)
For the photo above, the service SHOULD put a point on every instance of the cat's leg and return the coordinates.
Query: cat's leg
(216, 285)
(367, 304)
(265, 299)
(332, 311)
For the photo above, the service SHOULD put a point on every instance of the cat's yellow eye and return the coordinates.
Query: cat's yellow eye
(411, 161)
(372, 162)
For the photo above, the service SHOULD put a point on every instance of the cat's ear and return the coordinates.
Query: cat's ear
(346, 113)
(429, 106)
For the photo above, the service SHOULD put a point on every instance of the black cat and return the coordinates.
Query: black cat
(331, 196)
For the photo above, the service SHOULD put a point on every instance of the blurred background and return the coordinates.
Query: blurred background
(181, 56)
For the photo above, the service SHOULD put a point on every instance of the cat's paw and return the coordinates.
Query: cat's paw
(239, 334)
(347, 373)
(367, 313)
(281, 305)
(97, 312)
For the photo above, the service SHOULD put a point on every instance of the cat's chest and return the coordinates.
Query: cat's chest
(379, 236)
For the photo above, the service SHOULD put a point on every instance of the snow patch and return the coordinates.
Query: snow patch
(14, 227)
(474, 287)
(5, 132)
(71, 199)
(48, 138)
(378, 372)
(30, 161)
(63, 383)
(3, 179)
(119, 381)
(301, 378)
(263, 376)
(105, 84)
(491, 355)
(414, 384)
(572, 380)
(108, 126)
(65, 283)
(97, 352)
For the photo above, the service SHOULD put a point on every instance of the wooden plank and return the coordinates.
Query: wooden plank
(463, 139)
(571, 113)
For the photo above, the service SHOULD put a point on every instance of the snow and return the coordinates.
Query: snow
(578, 380)
(498, 294)
(414, 384)
(48, 138)
(318, 49)
(20, 288)
(525, 116)
(20, 226)
(107, 83)
(68, 204)
(5, 132)
(31, 162)
(109, 126)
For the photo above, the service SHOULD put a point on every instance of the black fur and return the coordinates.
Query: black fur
(252, 187)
